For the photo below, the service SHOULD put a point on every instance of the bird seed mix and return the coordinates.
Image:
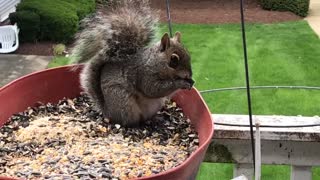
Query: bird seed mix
(70, 140)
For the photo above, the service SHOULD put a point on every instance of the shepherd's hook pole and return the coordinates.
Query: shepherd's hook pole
(169, 17)
(247, 82)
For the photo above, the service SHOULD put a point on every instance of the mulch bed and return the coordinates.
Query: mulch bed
(194, 12)
(70, 140)
(39, 48)
(219, 12)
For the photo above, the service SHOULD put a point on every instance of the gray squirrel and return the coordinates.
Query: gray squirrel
(127, 76)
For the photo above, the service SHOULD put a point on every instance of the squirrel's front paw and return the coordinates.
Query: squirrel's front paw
(184, 83)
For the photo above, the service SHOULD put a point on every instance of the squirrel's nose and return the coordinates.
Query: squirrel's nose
(190, 81)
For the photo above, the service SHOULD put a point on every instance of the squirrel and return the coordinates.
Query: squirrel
(127, 75)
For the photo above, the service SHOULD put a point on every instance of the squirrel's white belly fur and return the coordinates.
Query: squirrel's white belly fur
(149, 106)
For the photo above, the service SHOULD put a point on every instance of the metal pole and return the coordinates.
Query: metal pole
(247, 79)
(169, 17)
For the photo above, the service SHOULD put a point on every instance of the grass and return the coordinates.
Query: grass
(217, 171)
(225, 172)
(58, 61)
(279, 54)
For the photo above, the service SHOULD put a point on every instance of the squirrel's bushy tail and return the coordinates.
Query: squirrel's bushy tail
(128, 26)
(133, 25)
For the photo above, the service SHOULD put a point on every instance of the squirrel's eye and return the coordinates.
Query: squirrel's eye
(174, 61)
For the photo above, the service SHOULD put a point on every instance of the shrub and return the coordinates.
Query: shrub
(82, 7)
(299, 7)
(59, 18)
(59, 49)
(28, 23)
(59, 21)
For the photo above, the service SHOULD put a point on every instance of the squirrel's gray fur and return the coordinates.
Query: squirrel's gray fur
(126, 76)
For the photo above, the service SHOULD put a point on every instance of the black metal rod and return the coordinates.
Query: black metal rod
(169, 17)
(247, 82)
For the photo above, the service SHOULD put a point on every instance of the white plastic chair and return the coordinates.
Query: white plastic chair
(9, 39)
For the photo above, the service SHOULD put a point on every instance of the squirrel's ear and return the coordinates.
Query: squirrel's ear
(165, 42)
(177, 37)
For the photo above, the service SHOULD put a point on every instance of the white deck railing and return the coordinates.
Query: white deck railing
(298, 147)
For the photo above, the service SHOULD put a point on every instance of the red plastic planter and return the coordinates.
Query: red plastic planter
(54, 84)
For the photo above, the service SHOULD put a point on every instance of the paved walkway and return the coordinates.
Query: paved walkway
(314, 16)
(15, 66)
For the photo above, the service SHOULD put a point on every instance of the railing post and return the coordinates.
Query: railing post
(258, 152)
(243, 169)
(301, 172)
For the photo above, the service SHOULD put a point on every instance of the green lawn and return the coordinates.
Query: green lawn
(58, 61)
(279, 54)
(225, 172)
(218, 171)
